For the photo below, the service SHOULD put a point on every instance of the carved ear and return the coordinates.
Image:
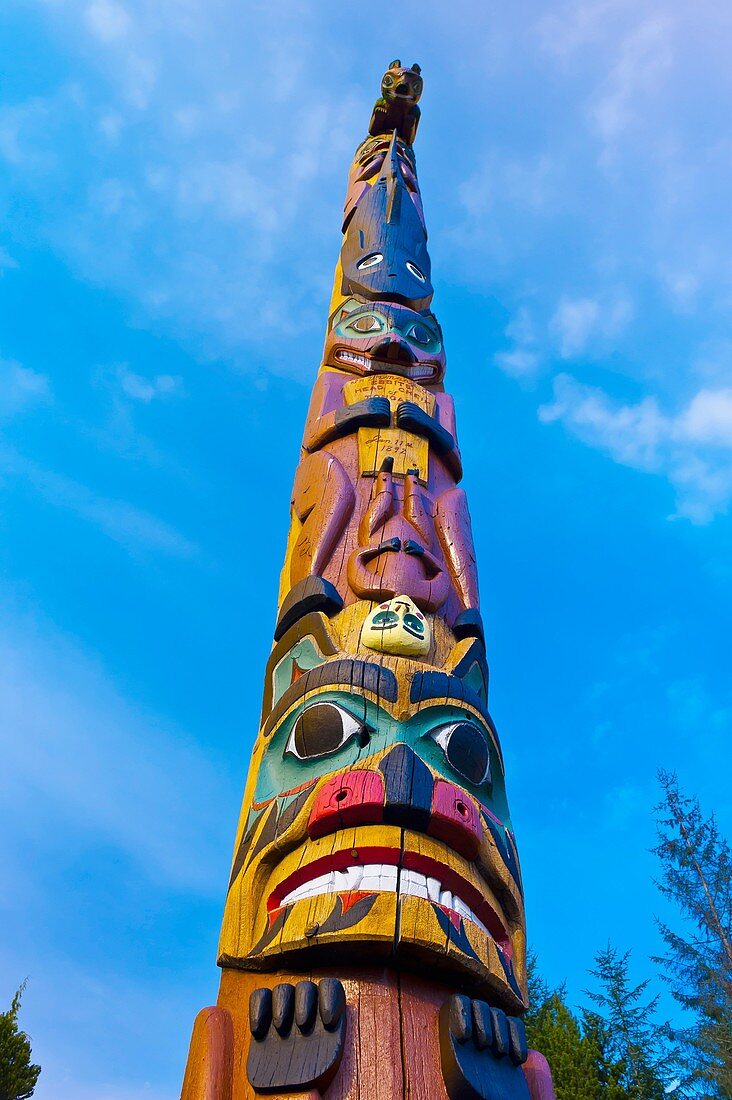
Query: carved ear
(396, 64)
(467, 662)
(416, 68)
(308, 643)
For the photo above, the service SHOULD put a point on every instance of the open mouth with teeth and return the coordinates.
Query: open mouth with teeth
(384, 366)
(390, 870)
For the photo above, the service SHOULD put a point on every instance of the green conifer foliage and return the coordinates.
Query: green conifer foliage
(633, 1042)
(577, 1052)
(696, 863)
(18, 1076)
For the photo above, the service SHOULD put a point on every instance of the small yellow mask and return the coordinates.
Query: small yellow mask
(398, 627)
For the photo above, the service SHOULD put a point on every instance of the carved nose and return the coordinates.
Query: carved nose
(350, 798)
(394, 349)
(408, 789)
(454, 818)
(402, 792)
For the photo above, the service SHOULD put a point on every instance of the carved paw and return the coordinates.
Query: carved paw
(482, 1051)
(412, 418)
(374, 412)
(297, 1035)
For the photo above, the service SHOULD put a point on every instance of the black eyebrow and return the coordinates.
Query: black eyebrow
(441, 685)
(452, 691)
(355, 675)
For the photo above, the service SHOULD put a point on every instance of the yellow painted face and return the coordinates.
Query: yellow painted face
(375, 824)
(399, 627)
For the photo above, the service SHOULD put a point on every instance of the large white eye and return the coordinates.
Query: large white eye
(321, 729)
(416, 272)
(369, 261)
(466, 750)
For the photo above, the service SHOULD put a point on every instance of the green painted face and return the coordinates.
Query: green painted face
(337, 730)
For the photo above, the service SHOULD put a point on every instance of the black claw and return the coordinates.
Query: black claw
(517, 1036)
(482, 1029)
(306, 1005)
(332, 998)
(461, 1023)
(387, 465)
(283, 1007)
(500, 1032)
(412, 547)
(474, 1042)
(260, 1012)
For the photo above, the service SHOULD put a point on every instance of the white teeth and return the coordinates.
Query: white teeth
(414, 883)
(433, 889)
(348, 880)
(383, 878)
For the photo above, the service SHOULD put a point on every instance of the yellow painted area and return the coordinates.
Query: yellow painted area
(292, 537)
(391, 386)
(410, 452)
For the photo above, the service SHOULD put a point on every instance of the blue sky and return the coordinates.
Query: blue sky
(170, 190)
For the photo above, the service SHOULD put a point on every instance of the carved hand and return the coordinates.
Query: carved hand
(413, 419)
(481, 1050)
(374, 412)
(297, 1035)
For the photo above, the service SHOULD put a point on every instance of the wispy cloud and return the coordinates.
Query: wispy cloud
(692, 448)
(20, 387)
(82, 755)
(145, 390)
(133, 528)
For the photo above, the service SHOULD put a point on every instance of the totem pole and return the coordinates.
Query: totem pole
(373, 939)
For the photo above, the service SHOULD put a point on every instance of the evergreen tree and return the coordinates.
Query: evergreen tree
(18, 1075)
(631, 1042)
(579, 1062)
(696, 864)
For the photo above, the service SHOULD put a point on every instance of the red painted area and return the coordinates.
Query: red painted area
(336, 861)
(350, 798)
(350, 897)
(454, 918)
(412, 861)
(455, 819)
(456, 884)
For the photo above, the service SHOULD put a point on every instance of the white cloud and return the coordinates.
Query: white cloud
(577, 322)
(20, 387)
(692, 448)
(7, 263)
(83, 756)
(644, 59)
(574, 322)
(108, 20)
(517, 362)
(135, 530)
(146, 389)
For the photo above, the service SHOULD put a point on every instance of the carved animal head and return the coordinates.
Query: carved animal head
(384, 253)
(375, 820)
(387, 338)
(399, 83)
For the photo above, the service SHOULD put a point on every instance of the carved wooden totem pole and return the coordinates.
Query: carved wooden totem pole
(373, 939)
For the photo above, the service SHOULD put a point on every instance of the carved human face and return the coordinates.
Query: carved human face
(399, 627)
(385, 337)
(376, 820)
(400, 83)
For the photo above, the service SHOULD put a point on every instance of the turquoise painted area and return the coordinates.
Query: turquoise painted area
(281, 771)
